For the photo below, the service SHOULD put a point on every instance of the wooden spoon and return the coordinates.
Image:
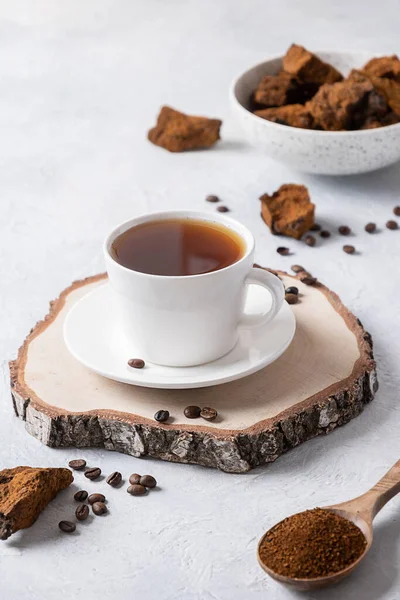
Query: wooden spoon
(361, 511)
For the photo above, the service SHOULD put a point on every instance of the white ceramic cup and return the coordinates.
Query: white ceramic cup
(188, 320)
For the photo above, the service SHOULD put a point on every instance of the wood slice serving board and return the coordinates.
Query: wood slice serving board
(322, 381)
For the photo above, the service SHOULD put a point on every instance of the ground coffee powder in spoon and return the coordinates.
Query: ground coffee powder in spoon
(311, 544)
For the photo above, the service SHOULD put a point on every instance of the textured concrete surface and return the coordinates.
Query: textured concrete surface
(80, 83)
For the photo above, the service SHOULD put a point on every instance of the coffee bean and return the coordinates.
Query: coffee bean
(96, 498)
(99, 508)
(370, 227)
(325, 234)
(134, 478)
(82, 512)
(192, 412)
(310, 240)
(283, 250)
(392, 225)
(344, 230)
(114, 479)
(136, 490)
(148, 481)
(396, 211)
(292, 290)
(315, 227)
(308, 279)
(67, 526)
(222, 209)
(212, 198)
(136, 363)
(208, 413)
(77, 465)
(161, 416)
(349, 249)
(93, 473)
(291, 298)
(297, 268)
(81, 496)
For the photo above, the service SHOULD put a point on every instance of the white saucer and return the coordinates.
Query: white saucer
(94, 339)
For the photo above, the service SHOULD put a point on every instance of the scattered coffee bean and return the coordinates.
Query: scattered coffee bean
(136, 363)
(222, 209)
(161, 416)
(315, 227)
(325, 234)
(67, 526)
(344, 230)
(99, 508)
(134, 478)
(283, 251)
(310, 240)
(349, 249)
(291, 298)
(391, 225)
(96, 498)
(396, 211)
(77, 465)
(192, 412)
(212, 198)
(136, 490)
(297, 268)
(308, 279)
(81, 496)
(370, 227)
(114, 479)
(93, 473)
(292, 290)
(148, 481)
(208, 413)
(82, 512)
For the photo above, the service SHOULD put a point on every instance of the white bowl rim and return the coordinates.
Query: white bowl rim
(299, 130)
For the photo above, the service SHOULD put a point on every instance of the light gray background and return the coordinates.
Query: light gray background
(80, 83)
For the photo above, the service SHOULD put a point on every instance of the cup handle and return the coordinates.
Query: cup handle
(275, 287)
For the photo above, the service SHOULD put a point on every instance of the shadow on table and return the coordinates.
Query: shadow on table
(376, 575)
(45, 530)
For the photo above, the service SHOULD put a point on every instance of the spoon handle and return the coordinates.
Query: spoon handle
(386, 488)
(369, 504)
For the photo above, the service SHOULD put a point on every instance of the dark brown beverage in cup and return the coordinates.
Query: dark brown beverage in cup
(178, 247)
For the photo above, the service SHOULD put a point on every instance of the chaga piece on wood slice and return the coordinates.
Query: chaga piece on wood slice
(288, 211)
(25, 492)
(178, 132)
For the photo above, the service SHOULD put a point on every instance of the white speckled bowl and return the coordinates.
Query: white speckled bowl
(322, 152)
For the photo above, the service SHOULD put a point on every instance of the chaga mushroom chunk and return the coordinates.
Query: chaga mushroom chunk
(384, 66)
(288, 211)
(25, 492)
(282, 89)
(177, 132)
(308, 67)
(295, 115)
